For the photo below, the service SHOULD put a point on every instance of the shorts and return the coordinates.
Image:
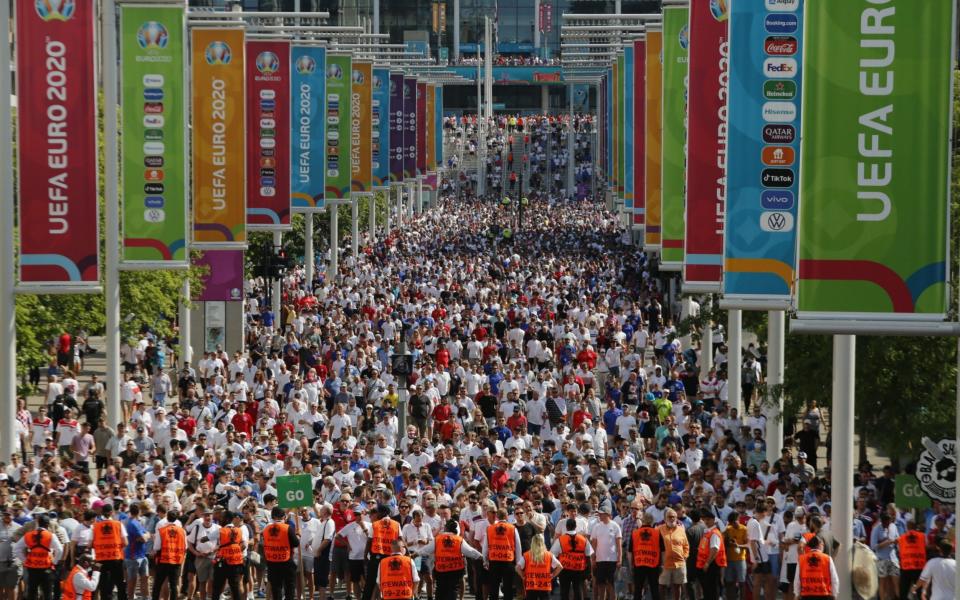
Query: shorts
(135, 567)
(736, 571)
(534, 429)
(774, 559)
(204, 568)
(762, 568)
(605, 572)
(102, 462)
(307, 563)
(10, 575)
(888, 568)
(675, 576)
(357, 568)
(791, 574)
(339, 561)
(321, 570)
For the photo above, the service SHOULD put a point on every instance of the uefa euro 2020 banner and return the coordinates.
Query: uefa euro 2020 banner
(628, 100)
(676, 45)
(338, 99)
(268, 135)
(307, 157)
(380, 121)
(638, 106)
(57, 144)
(396, 111)
(875, 157)
(360, 128)
(410, 127)
(653, 140)
(219, 205)
(152, 120)
(421, 129)
(438, 125)
(706, 146)
(762, 157)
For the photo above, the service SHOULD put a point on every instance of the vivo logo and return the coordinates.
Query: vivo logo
(776, 199)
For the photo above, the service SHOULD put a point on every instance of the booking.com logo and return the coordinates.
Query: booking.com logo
(152, 35)
(268, 63)
(56, 10)
(218, 53)
(306, 65)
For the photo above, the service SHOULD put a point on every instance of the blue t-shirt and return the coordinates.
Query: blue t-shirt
(137, 546)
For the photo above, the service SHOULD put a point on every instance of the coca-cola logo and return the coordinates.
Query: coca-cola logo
(776, 45)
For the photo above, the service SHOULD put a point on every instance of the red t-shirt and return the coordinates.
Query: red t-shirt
(243, 423)
(442, 412)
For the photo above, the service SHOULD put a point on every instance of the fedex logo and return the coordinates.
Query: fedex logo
(783, 68)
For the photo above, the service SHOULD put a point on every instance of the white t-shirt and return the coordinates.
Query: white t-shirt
(794, 529)
(608, 538)
(941, 573)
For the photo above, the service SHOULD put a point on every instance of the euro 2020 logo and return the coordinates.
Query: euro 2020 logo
(685, 37)
(357, 77)
(218, 53)
(152, 35)
(720, 9)
(56, 10)
(306, 65)
(334, 71)
(377, 82)
(268, 63)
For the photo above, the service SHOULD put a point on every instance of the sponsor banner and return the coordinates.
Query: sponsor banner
(628, 124)
(676, 46)
(653, 141)
(361, 134)
(581, 97)
(760, 241)
(219, 204)
(431, 125)
(438, 124)
(380, 127)
(396, 128)
(151, 70)
(706, 145)
(268, 135)
(639, 101)
(337, 107)
(307, 159)
(410, 127)
(875, 158)
(224, 278)
(421, 129)
(615, 129)
(608, 124)
(57, 143)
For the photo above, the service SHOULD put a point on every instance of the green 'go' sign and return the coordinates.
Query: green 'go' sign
(295, 491)
(909, 494)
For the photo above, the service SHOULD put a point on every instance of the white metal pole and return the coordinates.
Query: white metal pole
(841, 465)
(277, 288)
(355, 226)
(376, 16)
(8, 319)
(706, 342)
(488, 66)
(571, 136)
(734, 358)
(456, 31)
(774, 413)
(411, 199)
(309, 260)
(186, 350)
(334, 243)
(419, 194)
(108, 47)
(536, 24)
(373, 218)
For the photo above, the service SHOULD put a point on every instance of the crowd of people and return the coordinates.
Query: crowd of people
(476, 412)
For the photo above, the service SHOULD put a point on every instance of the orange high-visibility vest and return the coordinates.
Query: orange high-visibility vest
(703, 552)
(646, 547)
(912, 547)
(107, 540)
(396, 578)
(276, 542)
(385, 531)
(806, 539)
(231, 549)
(69, 593)
(536, 575)
(814, 573)
(573, 552)
(501, 542)
(173, 545)
(448, 555)
(38, 549)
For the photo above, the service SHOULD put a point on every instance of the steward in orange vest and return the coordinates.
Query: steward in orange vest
(912, 549)
(172, 541)
(711, 558)
(816, 574)
(228, 567)
(573, 550)
(79, 585)
(279, 540)
(645, 546)
(396, 575)
(449, 551)
(538, 568)
(386, 531)
(40, 551)
(500, 550)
